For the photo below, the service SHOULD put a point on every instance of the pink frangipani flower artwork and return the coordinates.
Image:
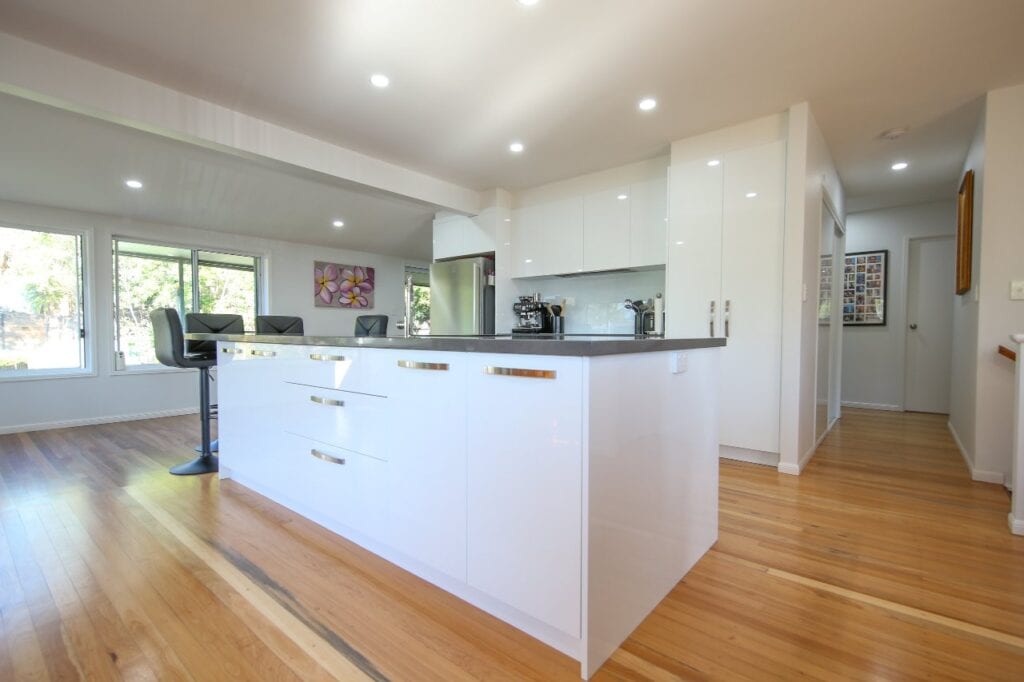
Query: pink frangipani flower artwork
(342, 286)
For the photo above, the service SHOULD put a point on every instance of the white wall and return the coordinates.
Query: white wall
(1001, 261)
(107, 395)
(810, 175)
(964, 374)
(873, 357)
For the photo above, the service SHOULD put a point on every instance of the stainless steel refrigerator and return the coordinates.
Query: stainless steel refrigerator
(461, 300)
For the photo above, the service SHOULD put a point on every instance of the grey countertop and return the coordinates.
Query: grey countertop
(540, 344)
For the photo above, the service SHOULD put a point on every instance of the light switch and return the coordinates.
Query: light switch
(1017, 290)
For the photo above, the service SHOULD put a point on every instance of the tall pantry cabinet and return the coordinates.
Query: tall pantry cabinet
(724, 278)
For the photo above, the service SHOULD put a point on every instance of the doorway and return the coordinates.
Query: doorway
(929, 324)
(830, 322)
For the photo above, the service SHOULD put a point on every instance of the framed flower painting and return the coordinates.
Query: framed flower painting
(342, 286)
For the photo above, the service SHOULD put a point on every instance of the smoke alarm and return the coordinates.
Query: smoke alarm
(893, 133)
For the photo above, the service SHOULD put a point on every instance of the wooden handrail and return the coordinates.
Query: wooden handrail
(1007, 353)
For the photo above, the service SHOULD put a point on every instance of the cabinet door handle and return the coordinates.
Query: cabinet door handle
(517, 372)
(726, 316)
(327, 401)
(410, 364)
(325, 457)
(712, 320)
(264, 353)
(326, 358)
(232, 351)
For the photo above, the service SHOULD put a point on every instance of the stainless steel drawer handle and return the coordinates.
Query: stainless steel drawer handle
(264, 353)
(409, 364)
(326, 358)
(327, 401)
(325, 457)
(516, 372)
(232, 351)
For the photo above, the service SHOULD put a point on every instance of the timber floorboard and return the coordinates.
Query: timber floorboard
(882, 561)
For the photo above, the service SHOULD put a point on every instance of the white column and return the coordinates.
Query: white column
(1017, 471)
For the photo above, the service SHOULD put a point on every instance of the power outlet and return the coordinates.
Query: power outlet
(1017, 290)
(680, 363)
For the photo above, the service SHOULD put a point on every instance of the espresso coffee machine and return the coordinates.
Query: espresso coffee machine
(534, 316)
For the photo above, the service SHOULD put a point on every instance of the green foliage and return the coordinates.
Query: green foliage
(420, 305)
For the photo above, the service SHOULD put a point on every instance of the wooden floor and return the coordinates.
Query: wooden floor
(883, 561)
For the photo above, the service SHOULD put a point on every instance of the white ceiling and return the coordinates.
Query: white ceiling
(564, 76)
(57, 158)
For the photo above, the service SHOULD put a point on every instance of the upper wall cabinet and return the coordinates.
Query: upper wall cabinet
(458, 235)
(620, 227)
(648, 222)
(547, 239)
(606, 229)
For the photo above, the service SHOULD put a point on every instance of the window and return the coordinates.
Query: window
(419, 298)
(42, 318)
(150, 276)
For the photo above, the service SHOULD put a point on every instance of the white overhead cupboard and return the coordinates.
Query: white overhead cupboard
(619, 226)
(724, 278)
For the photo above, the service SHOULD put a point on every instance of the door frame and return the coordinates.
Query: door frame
(905, 308)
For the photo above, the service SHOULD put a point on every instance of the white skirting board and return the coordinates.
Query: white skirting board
(91, 421)
(976, 474)
(1016, 525)
(873, 406)
(747, 455)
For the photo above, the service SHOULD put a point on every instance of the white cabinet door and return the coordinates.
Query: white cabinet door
(427, 460)
(525, 485)
(648, 222)
(606, 229)
(457, 236)
(694, 273)
(527, 241)
(448, 237)
(751, 308)
(547, 239)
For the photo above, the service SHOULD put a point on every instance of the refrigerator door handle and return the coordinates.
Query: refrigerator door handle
(477, 295)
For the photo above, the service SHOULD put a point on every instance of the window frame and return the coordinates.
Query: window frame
(86, 319)
(156, 368)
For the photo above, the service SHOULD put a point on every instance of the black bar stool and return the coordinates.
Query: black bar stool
(278, 324)
(169, 343)
(372, 325)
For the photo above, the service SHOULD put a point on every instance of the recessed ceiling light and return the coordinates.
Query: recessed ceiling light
(900, 165)
(714, 162)
(529, 260)
(622, 197)
(508, 220)
(133, 184)
(893, 133)
(680, 243)
(380, 80)
(647, 103)
(528, 3)
(751, 195)
(516, 147)
(338, 223)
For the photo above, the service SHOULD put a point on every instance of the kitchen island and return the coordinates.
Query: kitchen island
(562, 485)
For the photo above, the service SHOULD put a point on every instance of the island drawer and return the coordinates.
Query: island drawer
(347, 369)
(354, 421)
(343, 486)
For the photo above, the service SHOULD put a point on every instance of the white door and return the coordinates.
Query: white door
(929, 325)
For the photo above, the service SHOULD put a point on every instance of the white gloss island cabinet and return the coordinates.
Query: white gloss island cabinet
(622, 226)
(724, 278)
(564, 494)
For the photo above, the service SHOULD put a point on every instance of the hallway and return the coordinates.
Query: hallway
(882, 561)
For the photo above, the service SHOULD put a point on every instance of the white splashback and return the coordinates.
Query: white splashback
(595, 303)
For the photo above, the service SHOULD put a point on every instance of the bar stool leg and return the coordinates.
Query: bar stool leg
(206, 462)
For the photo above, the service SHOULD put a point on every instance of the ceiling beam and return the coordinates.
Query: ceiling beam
(45, 75)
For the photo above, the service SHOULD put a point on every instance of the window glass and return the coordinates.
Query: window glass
(151, 276)
(41, 304)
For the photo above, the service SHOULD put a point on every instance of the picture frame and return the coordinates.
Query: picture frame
(865, 283)
(964, 233)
